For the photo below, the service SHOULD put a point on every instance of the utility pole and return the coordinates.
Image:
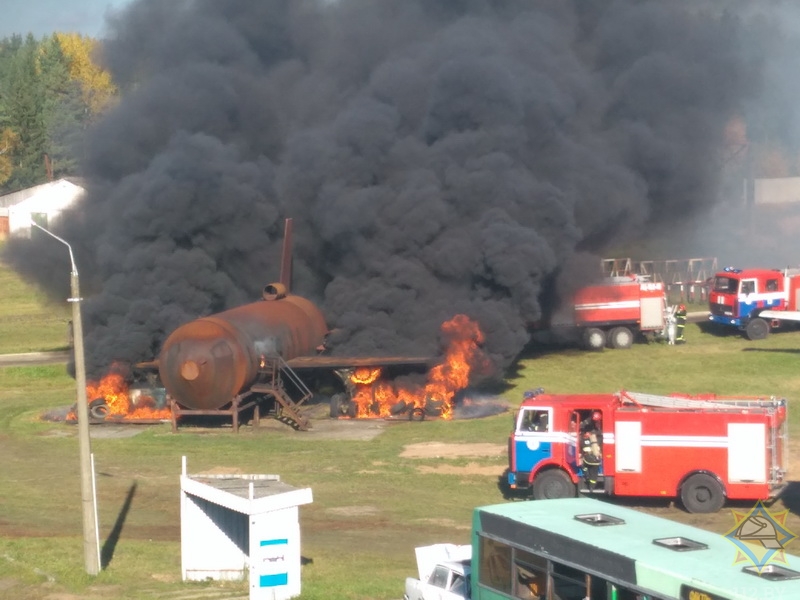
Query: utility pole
(91, 539)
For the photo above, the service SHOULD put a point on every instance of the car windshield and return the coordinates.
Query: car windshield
(725, 284)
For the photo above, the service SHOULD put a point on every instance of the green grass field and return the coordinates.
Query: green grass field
(371, 505)
(28, 323)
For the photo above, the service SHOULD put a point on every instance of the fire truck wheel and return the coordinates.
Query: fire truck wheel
(594, 339)
(702, 493)
(553, 484)
(757, 329)
(620, 338)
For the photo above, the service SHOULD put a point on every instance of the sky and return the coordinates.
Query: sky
(43, 17)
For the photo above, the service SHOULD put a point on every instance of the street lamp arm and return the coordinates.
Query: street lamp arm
(63, 241)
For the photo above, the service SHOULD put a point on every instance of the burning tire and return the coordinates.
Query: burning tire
(434, 408)
(98, 409)
(620, 338)
(339, 405)
(416, 414)
(594, 339)
(398, 408)
(702, 493)
(757, 329)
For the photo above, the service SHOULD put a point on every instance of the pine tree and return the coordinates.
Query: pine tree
(24, 106)
(65, 112)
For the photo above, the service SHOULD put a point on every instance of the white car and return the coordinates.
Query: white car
(444, 573)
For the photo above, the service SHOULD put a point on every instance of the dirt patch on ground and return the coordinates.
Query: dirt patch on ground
(443, 450)
(353, 511)
(470, 469)
(449, 523)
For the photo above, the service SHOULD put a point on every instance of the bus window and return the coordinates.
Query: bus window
(619, 593)
(530, 576)
(529, 585)
(495, 565)
(598, 587)
(569, 583)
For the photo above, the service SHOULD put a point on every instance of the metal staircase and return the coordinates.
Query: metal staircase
(273, 375)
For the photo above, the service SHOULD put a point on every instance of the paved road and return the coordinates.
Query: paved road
(35, 358)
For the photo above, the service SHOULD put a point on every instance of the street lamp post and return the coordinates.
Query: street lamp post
(91, 540)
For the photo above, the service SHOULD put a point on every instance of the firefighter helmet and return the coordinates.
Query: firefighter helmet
(681, 307)
(596, 416)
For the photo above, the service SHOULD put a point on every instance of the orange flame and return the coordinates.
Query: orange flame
(114, 390)
(375, 398)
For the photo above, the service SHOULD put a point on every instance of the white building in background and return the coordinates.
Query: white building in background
(42, 204)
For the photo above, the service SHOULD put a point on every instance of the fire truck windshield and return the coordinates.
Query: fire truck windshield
(726, 285)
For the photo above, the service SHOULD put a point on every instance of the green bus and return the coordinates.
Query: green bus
(580, 548)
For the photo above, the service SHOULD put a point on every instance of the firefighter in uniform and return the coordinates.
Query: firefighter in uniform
(591, 454)
(680, 323)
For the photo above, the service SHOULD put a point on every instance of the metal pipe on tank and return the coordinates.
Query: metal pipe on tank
(205, 363)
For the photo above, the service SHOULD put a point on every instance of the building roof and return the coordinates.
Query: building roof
(46, 192)
(246, 494)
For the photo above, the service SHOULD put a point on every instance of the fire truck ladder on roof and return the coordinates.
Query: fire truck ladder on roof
(641, 399)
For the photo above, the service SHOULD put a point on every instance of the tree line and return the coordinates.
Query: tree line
(51, 90)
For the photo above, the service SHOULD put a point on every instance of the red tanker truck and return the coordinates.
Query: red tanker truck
(614, 312)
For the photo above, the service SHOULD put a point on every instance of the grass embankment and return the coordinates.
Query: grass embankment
(371, 506)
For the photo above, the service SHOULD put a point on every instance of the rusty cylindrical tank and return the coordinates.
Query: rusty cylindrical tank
(205, 363)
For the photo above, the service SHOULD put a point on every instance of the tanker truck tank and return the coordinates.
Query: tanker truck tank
(205, 363)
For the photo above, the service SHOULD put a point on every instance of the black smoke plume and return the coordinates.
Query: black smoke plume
(438, 157)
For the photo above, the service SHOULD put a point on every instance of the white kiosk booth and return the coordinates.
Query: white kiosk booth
(238, 525)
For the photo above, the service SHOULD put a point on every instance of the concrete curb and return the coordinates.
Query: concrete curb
(35, 358)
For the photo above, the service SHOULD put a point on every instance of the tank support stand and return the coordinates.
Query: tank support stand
(237, 405)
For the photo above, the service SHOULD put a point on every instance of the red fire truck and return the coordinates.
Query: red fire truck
(699, 449)
(615, 311)
(754, 300)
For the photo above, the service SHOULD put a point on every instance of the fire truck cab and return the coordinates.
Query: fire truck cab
(754, 301)
(702, 450)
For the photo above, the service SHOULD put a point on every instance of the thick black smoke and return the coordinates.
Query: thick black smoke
(438, 157)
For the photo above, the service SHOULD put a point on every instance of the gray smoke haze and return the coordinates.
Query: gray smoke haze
(438, 157)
